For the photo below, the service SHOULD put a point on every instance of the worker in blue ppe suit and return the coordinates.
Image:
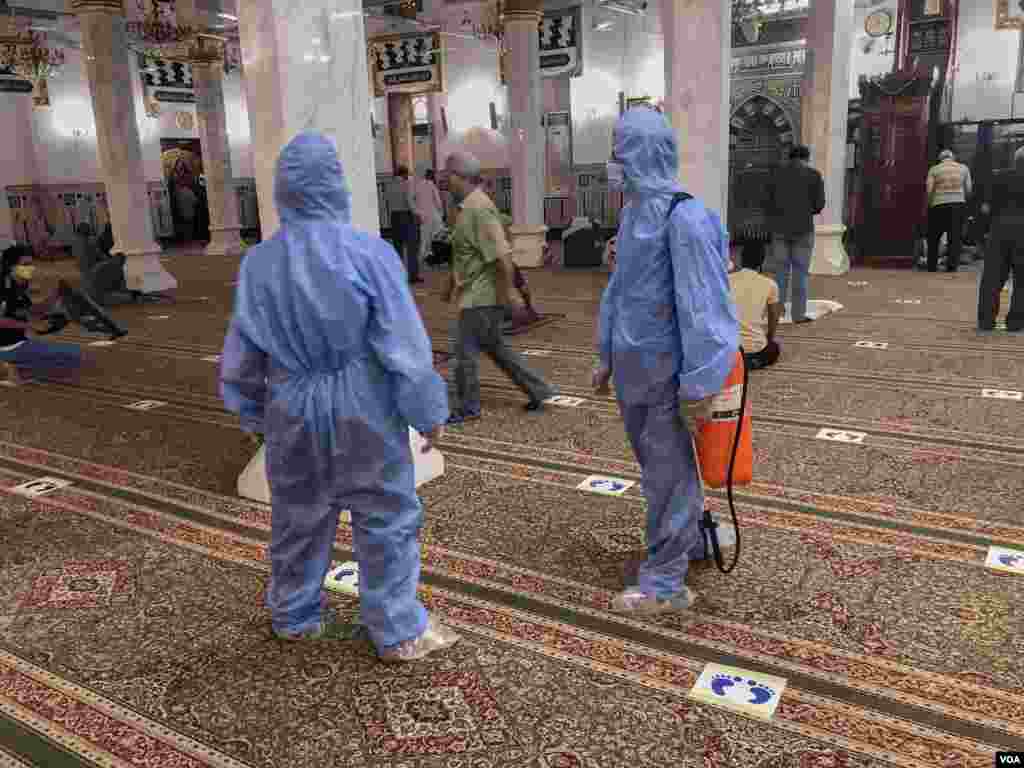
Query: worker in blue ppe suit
(327, 356)
(667, 338)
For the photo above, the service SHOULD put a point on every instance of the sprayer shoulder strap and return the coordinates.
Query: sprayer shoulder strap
(677, 198)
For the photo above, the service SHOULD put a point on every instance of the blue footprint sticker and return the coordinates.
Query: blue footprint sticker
(741, 690)
(721, 684)
(1012, 561)
(728, 686)
(761, 694)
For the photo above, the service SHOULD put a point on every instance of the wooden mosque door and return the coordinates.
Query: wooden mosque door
(894, 150)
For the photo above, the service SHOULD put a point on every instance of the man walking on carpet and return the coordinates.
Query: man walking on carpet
(480, 281)
(327, 356)
(667, 337)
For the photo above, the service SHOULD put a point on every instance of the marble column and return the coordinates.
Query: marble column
(400, 122)
(826, 93)
(526, 136)
(698, 50)
(7, 235)
(208, 82)
(108, 68)
(306, 70)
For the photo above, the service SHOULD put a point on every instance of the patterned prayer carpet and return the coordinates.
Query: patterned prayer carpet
(132, 631)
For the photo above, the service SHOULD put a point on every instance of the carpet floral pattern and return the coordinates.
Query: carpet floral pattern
(132, 630)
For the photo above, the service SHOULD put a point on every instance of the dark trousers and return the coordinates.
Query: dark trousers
(1003, 255)
(767, 356)
(405, 231)
(480, 330)
(945, 219)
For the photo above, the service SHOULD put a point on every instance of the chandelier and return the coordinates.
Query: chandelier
(750, 15)
(745, 10)
(158, 32)
(26, 54)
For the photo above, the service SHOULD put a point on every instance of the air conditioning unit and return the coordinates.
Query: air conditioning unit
(628, 7)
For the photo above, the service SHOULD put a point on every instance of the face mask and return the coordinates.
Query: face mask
(24, 272)
(616, 175)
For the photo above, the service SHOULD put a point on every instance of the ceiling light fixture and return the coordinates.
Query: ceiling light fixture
(158, 30)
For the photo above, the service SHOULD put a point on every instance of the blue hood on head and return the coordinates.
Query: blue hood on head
(646, 146)
(310, 182)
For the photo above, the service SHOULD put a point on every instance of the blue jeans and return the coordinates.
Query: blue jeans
(793, 254)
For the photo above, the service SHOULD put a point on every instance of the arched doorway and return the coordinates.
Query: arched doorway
(761, 133)
(182, 162)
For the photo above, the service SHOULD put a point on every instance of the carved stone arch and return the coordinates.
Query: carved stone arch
(759, 118)
(761, 129)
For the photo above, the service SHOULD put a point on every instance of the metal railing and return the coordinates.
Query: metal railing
(593, 200)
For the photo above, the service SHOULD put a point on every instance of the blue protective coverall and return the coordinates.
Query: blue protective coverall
(667, 332)
(328, 357)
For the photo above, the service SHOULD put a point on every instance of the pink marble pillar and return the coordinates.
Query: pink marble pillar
(400, 122)
(109, 70)
(698, 50)
(206, 55)
(208, 80)
(306, 70)
(826, 93)
(526, 139)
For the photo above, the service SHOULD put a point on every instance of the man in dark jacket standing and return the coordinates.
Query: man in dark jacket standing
(1005, 250)
(795, 195)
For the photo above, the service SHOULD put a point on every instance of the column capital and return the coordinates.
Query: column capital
(523, 10)
(532, 16)
(523, 15)
(115, 7)
(205, 50)
(512, 6)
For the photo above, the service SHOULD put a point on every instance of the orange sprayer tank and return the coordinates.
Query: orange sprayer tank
(716, 436)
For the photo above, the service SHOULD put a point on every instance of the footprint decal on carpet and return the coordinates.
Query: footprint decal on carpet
(740, 690)
(343, 578)
(348, 573)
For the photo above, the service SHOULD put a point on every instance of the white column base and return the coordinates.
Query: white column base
(830, 257)
(225, 242)
(252, 483)
(528, 246)
(145, 273)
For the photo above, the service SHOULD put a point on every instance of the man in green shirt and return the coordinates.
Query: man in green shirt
(479, 248)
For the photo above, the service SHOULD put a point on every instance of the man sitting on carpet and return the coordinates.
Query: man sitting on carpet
(102, 274)
(758, 307)
(327, 355)
(480, 261)
(20, 354)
